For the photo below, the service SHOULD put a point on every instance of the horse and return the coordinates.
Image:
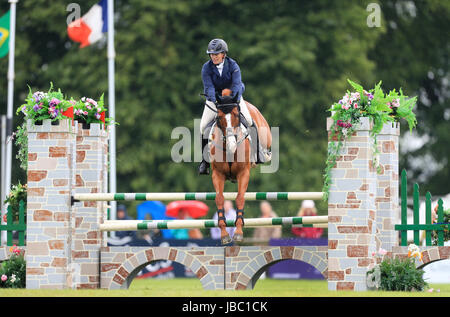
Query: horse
(230, 154)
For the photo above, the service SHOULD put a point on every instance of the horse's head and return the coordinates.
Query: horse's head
(228, 121)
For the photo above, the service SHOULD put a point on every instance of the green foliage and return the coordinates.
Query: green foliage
(13, 270)
(40, 105)
(400, 275)
(21, 137)
(18, 193)
(379, 107)
(294, 57)
(87, 110)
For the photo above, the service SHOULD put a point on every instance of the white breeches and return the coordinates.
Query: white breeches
(209, 115)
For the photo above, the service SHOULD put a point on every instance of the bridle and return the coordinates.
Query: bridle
(228, 108)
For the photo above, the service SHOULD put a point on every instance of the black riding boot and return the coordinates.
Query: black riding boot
(203, 168)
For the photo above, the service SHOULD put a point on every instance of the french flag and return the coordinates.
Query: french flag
(91, 26)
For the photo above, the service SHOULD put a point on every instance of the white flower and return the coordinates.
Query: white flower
(413, 248)
(13, 278)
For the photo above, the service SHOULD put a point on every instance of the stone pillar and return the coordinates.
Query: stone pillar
(50, 178)
(91, 160)
(387, 199)
(352, 213)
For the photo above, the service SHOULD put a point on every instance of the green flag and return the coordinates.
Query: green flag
(4, 34)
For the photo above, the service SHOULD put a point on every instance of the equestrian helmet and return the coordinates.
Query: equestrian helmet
(217, 46)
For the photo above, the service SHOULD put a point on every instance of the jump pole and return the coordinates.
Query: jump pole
(196, 196)
(131, 225)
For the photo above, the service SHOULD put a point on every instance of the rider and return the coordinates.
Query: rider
(221, 75)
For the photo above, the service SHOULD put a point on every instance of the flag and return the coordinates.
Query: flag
(91, 26)
(4, 34)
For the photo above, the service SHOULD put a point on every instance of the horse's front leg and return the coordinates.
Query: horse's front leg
(219, 184)
(243, 179)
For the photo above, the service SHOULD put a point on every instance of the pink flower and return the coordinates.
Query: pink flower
(382, 251)
(373, 253)
(91, 101)
(396, 103)
(4, 278)
(355, 105)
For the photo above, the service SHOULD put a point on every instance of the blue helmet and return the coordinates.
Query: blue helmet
(217, 46)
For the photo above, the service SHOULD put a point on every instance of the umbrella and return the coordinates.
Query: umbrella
(195, 209)
(156, 209)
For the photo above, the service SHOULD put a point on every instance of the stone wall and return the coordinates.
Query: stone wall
(50, 181)
(90, 175)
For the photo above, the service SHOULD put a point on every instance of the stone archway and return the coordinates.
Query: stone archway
(120, 265)
(243, 274)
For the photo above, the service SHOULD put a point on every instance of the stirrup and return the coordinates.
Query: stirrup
(239, 215)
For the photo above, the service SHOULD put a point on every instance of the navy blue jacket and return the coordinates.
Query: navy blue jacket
(231, 79)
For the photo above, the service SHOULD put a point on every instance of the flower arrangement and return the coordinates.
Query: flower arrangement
(18, 193)
(45, 105)
(52, 105)
(397, 274)
(87, 110)
(375, 104)
(12, 271)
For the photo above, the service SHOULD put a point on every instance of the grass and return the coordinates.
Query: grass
(192, 288)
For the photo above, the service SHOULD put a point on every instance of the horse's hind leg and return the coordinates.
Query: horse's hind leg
(243, 179)
(219, 184)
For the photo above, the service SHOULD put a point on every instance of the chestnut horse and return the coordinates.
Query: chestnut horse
(230, 154)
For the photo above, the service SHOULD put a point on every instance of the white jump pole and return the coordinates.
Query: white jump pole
(196, 196)
(131, 225)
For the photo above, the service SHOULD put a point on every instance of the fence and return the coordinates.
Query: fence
(440, 226)
(20, 227)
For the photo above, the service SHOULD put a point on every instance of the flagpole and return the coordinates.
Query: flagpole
(9, 111)
(112, 109)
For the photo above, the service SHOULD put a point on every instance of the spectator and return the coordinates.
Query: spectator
(123, 215)
(307, 208)
(150, 234)
(267, 233)
(186, 233)
(230, 214)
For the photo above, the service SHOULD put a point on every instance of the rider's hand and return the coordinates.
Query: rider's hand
(226, 92)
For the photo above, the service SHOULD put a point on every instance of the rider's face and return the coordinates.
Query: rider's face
(217, 58)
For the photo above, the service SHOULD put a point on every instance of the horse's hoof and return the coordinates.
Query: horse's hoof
(238, 237)
(226, 239)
